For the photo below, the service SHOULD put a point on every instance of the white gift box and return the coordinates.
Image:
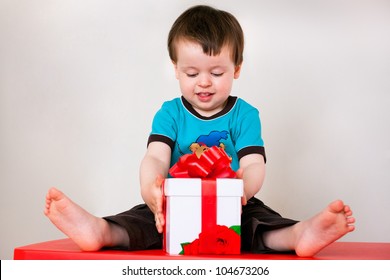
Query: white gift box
(183, 209)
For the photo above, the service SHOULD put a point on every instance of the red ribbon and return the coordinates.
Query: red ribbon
(209, 215)
(213, 163)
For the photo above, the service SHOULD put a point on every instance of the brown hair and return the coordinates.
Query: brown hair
(209, 27)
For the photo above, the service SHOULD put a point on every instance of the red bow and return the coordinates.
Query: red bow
(212, 163)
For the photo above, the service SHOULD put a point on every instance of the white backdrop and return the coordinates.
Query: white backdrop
(81, 80)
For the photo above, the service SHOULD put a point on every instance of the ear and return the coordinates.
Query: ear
(176, 70)
(237, 71)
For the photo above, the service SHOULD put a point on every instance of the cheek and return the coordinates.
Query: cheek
(186, 83)
(225, 85)
(185, 86)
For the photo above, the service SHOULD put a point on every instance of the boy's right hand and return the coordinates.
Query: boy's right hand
(155, 203)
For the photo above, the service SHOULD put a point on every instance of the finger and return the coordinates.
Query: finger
(160, 221)
(158, 225)
(161, 218)
(243, 200)
(159, 180)
(159, 200)
(239, 173)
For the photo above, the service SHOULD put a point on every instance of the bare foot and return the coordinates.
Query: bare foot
(323, 229)
(89, 232)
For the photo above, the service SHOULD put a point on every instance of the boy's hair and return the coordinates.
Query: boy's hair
(209, 27)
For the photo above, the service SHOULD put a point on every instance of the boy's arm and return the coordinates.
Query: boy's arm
(154, 168)
(252, 171)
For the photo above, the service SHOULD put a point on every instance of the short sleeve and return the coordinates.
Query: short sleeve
(248, 138)
(164, 125)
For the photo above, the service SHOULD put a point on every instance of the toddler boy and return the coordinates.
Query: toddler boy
(206, 48)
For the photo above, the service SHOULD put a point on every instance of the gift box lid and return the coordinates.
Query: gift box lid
(191, 187)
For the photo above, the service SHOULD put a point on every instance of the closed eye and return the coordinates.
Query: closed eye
(217, 74)
(192, 75)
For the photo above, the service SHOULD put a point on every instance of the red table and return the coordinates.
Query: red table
(66, 249)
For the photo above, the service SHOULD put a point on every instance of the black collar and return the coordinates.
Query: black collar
(229, 105)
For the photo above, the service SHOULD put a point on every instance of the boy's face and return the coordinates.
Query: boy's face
(205, 81)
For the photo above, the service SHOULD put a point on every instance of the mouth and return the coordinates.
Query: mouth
(204, 96)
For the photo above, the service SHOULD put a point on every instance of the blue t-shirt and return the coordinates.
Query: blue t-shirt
(237, 128)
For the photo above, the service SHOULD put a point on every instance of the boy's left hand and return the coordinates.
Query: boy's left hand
(239, 176)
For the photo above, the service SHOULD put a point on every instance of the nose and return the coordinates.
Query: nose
(204, 81)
